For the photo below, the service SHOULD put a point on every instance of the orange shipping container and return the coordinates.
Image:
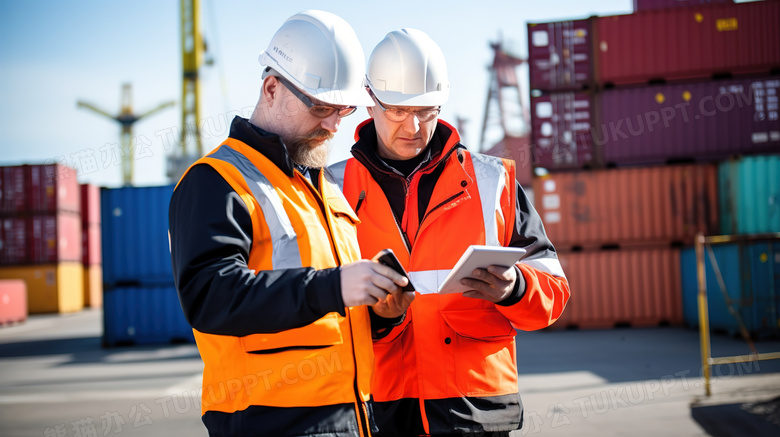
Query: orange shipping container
(13, 301)
(668, 204)
(93, 286)
(51, 288)
(632, 287)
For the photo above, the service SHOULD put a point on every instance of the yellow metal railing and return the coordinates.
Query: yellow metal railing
(707, 361)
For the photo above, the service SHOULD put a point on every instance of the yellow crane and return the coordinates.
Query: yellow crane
(126, 119)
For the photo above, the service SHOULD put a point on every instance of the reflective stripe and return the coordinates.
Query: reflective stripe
(547, 265)
(489, 172)
(338, 170)
(428, 281)
(283, 238)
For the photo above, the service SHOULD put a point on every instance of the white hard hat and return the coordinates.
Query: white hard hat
(320, 54)
(407, 68)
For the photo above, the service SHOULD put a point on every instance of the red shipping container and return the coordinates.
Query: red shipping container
(13, 241)
(560, 55)
(622, 207)
(54, 238)
(560, 130)
(51, 188)
(13, 301)
(91, 247)
(517, 149)
(689, 42)
(12, 196)
(90, 205)
(646, 5)
(696, 121)
(638, 287)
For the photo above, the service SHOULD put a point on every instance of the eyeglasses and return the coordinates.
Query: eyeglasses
(319, 111)
(398, 114)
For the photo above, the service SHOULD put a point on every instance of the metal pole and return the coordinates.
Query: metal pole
(704, 325)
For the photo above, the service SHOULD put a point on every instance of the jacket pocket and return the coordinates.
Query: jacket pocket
(485, 363)
(321, 333)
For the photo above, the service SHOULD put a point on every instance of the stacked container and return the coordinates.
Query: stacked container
(40, 235)
(140, 304)
(642, 122)
(91, 246)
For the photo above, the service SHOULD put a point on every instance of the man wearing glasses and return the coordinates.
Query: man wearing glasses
(265, 253)
(448, 365)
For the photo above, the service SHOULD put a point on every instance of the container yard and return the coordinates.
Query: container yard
(645, 133)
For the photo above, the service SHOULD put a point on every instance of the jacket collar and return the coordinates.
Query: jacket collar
(267, 143)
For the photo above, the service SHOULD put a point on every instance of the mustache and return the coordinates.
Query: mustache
(318, 135)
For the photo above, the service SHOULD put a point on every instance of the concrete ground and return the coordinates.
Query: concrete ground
(57, 381)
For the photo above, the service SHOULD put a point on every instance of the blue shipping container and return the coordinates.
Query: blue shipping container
(144, 315)
(751, 272)
(135, 236)
(749, 190)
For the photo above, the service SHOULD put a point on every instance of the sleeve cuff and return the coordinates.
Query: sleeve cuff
(381, 326)
(517, 293)
(324, 292)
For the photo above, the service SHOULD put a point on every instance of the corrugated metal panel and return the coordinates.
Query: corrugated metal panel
(646, 5)
(93, 286)
(689, 42)
(749, 190)
(560, 130)
(638, 287)
(13, 241)
(135, 235)
(51, 288)
(144, 315)
(90, 205)
(701, 121)
(40, 239)
(560, 55)
(51, 188)
(517, 149)
(751, 273)
(12, 193)
(628, 206)
(13, 301)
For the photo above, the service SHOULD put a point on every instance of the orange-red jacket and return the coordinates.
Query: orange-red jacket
(451, 361)
(256, 252)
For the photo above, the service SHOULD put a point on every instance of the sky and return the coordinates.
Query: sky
(56, 53)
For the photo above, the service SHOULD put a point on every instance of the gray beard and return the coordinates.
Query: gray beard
(303, 152)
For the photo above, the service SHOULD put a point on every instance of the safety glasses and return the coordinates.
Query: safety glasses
(399, 114)
(320, 111)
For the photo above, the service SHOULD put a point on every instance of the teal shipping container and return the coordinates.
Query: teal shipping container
(749, 190)
(751, 272)
(134, 222)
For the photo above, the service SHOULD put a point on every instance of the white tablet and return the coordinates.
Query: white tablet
(478, 257)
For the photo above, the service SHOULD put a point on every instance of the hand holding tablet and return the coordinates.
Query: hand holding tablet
(478, 257)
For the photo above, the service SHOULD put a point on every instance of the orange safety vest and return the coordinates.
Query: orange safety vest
(450, 346)
(327, 362)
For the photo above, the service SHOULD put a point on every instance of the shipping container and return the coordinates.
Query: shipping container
(52, 188)
(701, 121)
(51, 288)
(40, 239)
(751, 275)
(93, 286)
(663, 205)
(13, 241)
(135, 236)
(13, 301)
(144, 315)
(703, 42)
(636, 287)
(646, 5)
(12, 194)
(749, 190)
(517, 149)
(91, 245)
(560, 130)
(90, 205)
(560, 55)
